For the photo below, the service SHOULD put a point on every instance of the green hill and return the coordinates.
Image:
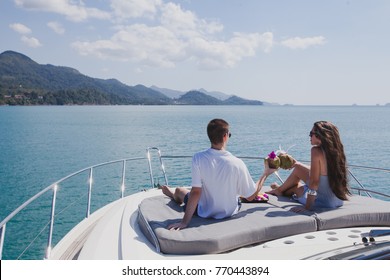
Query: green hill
(235, 100)
(197, 98)
(25, 82)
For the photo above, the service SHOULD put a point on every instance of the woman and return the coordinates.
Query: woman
(326, 178)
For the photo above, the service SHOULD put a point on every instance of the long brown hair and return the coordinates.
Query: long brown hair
(335, 158)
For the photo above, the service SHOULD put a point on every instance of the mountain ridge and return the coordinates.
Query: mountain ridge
(26, 82)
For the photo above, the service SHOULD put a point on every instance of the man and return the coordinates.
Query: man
(218, 180)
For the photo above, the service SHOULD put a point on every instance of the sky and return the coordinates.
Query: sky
(303, 52)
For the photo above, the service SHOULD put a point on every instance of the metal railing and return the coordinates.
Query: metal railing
(162, 166)
(360, 190)
(54, 187)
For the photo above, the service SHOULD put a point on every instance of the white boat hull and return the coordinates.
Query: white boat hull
(112, 233)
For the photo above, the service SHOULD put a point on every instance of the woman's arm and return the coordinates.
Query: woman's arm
(259, 184)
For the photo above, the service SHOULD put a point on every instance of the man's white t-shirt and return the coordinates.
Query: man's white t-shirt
(223, 178)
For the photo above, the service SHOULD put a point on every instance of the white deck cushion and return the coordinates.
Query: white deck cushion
(255, 223)
(357, 211)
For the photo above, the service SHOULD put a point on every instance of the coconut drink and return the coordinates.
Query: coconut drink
(273, 160)
(286, 161)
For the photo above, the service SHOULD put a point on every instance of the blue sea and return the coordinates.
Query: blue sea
(39, 145)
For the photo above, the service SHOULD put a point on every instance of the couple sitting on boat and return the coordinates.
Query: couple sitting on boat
(326, 184)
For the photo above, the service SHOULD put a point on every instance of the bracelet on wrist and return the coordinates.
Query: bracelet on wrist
(312, 192)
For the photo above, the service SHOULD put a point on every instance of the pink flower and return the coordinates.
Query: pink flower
(272, 155)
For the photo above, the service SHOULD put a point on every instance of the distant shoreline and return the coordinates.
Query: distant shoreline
(184, 105)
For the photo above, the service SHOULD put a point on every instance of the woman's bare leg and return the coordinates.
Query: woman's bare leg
(292, 183)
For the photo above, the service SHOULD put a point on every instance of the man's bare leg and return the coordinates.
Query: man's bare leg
(177, 195)
(167, 191)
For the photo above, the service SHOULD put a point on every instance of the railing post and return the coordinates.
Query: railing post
(278, 176)
(150, 167)
(2, 234)
(123, 179)
(162, 167)
(53, 207)
(90, 179)
(360, 184)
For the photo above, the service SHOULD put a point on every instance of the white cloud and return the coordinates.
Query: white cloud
(303, 43)
(20, 28)
(24, 30)
(179, 21)
(267, 41)
(179, 35)
(70, 9)
(223, 54)
(155, 46)
(135, 8)
(56, 27)
(171, 35)
(31, 41)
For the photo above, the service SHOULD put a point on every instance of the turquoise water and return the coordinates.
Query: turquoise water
(39, 145)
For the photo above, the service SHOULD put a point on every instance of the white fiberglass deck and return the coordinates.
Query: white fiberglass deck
(113, 233)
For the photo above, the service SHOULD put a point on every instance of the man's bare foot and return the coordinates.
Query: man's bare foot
(274, 186)
(167, 191)
(276, 192)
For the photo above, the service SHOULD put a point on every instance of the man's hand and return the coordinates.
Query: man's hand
(177, 226)
(191, 207)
